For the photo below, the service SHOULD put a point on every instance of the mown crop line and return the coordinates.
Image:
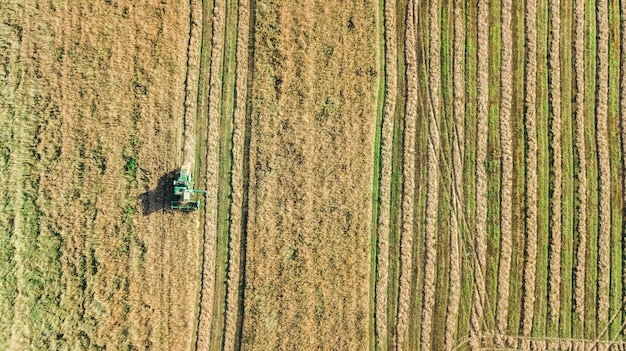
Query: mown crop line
(249, 47)
(386, 143)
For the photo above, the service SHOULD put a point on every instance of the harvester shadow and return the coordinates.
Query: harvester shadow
(158, 199)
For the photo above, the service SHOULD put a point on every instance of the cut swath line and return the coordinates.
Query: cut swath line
(531, 164)
(432, 199)
(579, 292)
(382, 280)
(555, 102)
(604, 237)
(205, 318)
(408, 174)
(507, 169)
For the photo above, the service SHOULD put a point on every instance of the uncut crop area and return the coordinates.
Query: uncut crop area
(389, 175)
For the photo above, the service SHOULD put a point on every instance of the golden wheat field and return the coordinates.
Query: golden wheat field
(390, 175)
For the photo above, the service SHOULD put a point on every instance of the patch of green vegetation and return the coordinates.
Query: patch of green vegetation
(131, 167)
(446, 129)
(616, 283)
(591, 269)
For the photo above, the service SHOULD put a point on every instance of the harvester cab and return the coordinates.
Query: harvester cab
(183, 193)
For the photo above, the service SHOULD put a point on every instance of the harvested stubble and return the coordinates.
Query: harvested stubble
(96, 273)
(307, 251)
(389, 108)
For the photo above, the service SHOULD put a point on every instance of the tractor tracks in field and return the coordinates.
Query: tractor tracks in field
(240, 172)
(386, 151)
(210, 70)
(228, 65)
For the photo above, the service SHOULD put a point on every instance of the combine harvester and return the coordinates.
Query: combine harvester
(183, 193)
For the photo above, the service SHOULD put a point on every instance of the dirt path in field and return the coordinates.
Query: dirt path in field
(507, 168)
(212, 165)
(408, 173)
(531, 165)
(458, 155)
(239, 179)
(604, 236)
(481, 173)
(554, 284)
(382, 282)
(432, 160)
(579, 111)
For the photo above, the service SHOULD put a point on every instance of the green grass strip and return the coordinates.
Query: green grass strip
(567, 199)
(446, 125)
(615, 292)
(591, 269)
(224, 173)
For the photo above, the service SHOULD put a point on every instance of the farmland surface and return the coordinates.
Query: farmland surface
(379, 175)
